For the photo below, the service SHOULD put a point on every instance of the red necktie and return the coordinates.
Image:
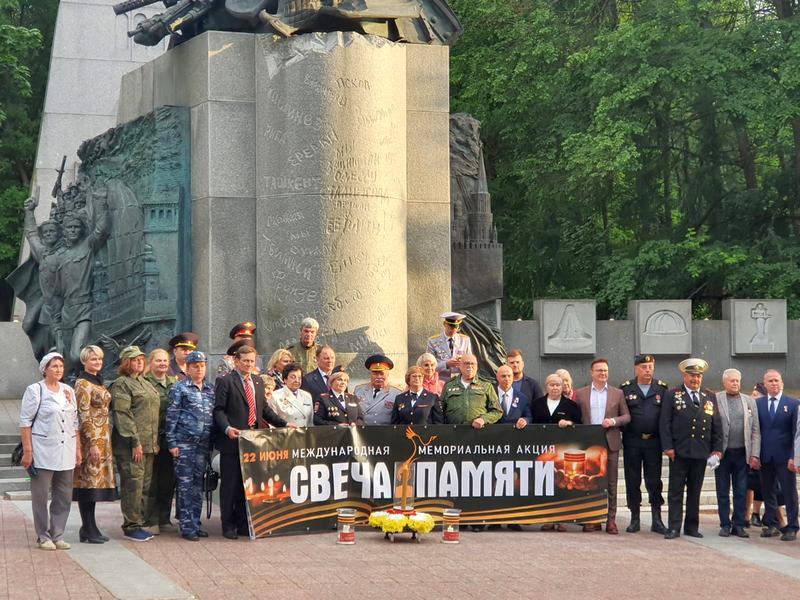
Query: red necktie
(251, 401)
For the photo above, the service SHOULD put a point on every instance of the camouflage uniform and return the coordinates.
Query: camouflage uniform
(162, 485)
(134, 404)
(305, 357)
(464, 405)
(189, 421)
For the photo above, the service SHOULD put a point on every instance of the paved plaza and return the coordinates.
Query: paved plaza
(503, 564)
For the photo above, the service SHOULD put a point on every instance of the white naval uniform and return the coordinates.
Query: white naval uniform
(440, 348)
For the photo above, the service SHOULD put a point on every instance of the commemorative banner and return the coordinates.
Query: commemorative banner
(296, 479)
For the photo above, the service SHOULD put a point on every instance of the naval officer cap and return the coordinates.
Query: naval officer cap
(187, 339)
(643, 358)
(453, 318)
(246, 329)
(379, 362)
(695, 366)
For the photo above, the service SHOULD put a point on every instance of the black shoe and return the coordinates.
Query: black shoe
(202, 533)
(770, 532)
(724, 532)
(230, 534)
(86, 538)
(191, 537)
(243, 531)
(515, 527)
(789, 536)
(657, 525)
(494, 527)
(747, 523)
(100, 536)
(755, 520)
(671, 534)
(694, 534)
(739, 532)
(635, 524)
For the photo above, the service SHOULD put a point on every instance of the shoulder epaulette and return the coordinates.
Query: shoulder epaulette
(662, 383)
(624, 383)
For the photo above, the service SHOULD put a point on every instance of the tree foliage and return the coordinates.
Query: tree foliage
(638, 149)
(26, 31)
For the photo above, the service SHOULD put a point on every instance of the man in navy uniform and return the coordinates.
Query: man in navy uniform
(640, 438)
(449, 347)
(691, 436)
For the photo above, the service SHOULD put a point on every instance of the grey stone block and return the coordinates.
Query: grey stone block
(223, 267)
(757, 326)
(136, 94)
(223, 150)
(19, 368)
(428, 157)
(662, 326)
(568, 326)
(88, 99)
(428, 78)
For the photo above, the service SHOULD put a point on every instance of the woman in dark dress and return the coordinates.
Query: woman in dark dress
(555, 408)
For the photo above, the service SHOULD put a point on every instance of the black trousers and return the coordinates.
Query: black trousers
(634, 458)
(688, 474)
(233, 511)
(770, 473)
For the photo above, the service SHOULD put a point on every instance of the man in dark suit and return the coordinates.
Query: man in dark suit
(417, 406)
(239, 404)
(602, 404)
(777, 416)
(643, 395)
(527, 386)
(317, 381)
(691, 435)
(516, 405)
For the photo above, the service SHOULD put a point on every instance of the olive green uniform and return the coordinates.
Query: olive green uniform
(305, 357)
(135, 408)
(463, 405)
(162, 484)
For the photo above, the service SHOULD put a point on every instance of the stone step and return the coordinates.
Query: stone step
(13, 484)
(8, 448)
(9, 472)
(16, 495)
(9, 438)
(5, 460)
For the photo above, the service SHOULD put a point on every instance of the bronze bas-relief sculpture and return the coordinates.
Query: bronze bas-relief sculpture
(412, 21)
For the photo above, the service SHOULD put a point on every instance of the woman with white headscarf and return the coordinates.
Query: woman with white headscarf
(48, 422)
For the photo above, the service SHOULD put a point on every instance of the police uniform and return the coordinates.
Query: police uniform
(162, 484)
(188, 340)
(445, 348)
(189, 422)
(463, 405)
(691, 427)
(329, 410)
(412, 409)
(642, 444)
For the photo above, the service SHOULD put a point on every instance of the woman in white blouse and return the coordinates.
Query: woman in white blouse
(290, 402)
(48, 422)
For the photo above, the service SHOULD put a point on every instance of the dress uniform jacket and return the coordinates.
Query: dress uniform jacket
(691, 432)
(329, 411)
(297, 409)
(645, 409)
(463, 405)
(426, 410)
(439, 346)
(377, 408)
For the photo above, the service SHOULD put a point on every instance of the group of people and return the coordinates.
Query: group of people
(166, 415)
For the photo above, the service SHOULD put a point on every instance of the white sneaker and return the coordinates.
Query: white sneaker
(47, 545)
(62, 545)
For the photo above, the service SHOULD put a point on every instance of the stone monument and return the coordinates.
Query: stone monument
(474, 237)
(567, 326)
(757, 326)
(662, 326)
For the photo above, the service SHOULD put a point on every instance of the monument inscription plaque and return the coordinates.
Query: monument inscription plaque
(662, 326)
(757, 326)
(568, 326)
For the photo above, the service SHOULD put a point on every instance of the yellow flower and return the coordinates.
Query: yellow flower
(421, 523)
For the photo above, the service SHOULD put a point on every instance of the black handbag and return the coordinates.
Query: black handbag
(210, 483)
(16, 453)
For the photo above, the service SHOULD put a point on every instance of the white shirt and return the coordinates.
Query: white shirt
(552, 405)
(777, 401)
(597, 401)
(505, 402)
(465, 384)
(54, 430)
